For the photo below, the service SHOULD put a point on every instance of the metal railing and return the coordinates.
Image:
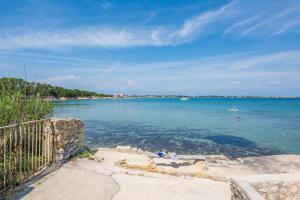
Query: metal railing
(25, 150)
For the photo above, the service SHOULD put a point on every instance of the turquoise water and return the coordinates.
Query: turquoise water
(199, 125)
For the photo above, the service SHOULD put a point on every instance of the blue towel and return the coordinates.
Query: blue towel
(161, 154)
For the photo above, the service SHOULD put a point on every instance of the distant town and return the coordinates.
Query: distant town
(122, 96)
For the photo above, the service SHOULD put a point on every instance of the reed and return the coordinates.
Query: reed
(18, 105)
(21, 146)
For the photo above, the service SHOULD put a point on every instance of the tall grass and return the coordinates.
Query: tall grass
(16, 106)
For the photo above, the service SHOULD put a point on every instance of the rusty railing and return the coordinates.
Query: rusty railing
(25, 151)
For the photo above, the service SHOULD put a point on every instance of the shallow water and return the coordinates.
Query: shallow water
(196, 126)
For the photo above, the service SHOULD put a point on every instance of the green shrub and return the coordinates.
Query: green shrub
(17, 105)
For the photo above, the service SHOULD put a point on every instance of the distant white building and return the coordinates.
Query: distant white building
(118, 96)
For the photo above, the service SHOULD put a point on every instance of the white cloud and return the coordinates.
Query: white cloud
(236, 82)
(115, 67)
(272, 82)
(239, 24)
(80, 37)
(275, 59)
(193, 26)
(109, 83)
(60, 78)
(278, 70)
(289, 25)
(241, 18)
(131, 83)
(106, 4)
(106, 37)
(272, 18)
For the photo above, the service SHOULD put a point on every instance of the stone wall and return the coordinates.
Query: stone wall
(266, 186)
(68, 137)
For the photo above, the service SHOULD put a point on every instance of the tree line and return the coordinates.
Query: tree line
(22, 101)
(44, 90)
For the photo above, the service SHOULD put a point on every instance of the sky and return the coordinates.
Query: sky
(192, 47)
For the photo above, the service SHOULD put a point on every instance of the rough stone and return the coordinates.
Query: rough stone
(269, 186)
(68, 137)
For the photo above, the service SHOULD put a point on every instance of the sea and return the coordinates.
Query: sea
(235, 127)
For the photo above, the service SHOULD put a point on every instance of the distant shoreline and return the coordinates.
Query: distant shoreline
(205, 96)
(74, 98)
(170, 97)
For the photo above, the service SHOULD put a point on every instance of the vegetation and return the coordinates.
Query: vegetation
(19, 103)
(22, 101)
(87, 154)
(44, 90)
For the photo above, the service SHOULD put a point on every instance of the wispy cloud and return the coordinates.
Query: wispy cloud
(273, 18)
(220, 74)
(269, 60)
(131, 83)
(235, 18)
(195, 25)
(107, 37)
(235, 82)
(106, 4)
(273, 82)
(289, 25)
(80, 37)
(60, 78)
(239, 24)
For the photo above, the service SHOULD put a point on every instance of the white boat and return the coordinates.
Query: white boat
(233, 109)
(184, 98)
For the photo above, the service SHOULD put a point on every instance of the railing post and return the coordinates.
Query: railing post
(18, 128)
(53, 141)
(4, 160)
(10, 156)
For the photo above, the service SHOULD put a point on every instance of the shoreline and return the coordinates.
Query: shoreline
(167, 97)
(77, 98)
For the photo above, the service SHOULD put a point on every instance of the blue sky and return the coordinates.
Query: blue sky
(155, 47)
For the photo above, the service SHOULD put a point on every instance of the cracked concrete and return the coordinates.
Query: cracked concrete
(103, 179)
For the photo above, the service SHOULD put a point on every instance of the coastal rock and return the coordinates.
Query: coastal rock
(202, 166)
(123, 148)
(140, 151)
(133, 149)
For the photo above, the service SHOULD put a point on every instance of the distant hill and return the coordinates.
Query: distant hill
(44, 90)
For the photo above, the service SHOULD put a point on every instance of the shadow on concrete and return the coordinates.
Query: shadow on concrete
(21, 191)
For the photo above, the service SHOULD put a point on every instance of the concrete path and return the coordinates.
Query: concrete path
(73, 184)
(103, 178)
(169, 188)
(90, 180)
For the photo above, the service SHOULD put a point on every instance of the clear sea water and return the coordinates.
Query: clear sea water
(196, 126)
